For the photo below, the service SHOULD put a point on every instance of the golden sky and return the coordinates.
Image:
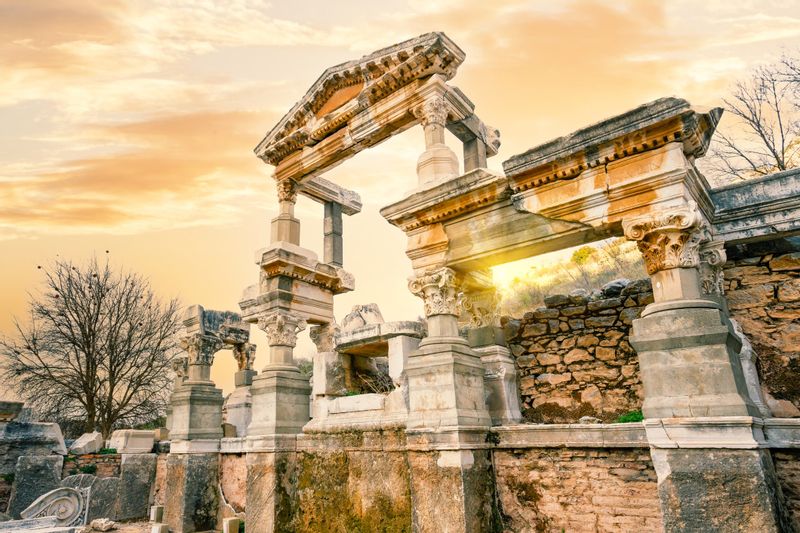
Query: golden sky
(129, 125)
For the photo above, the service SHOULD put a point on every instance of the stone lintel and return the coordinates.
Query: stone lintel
(283, 259)
(376, 336)
(271, 443)
(759, 209)
(641, 129)
(323, 191)
(458, 196)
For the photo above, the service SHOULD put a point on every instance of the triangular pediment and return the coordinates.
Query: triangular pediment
(346, 89)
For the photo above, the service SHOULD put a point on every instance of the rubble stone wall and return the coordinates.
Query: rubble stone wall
(578, 489)
(573, 357)
(107, 465)
(787, 469)
(763, 294)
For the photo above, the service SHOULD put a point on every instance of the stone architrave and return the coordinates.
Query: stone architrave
(33, 476)
(19, 439)
(87, 443)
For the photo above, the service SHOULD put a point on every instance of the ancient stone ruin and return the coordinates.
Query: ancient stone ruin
(467, 422)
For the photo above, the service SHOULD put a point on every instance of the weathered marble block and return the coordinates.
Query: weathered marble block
(33, 476)
(132, 440)
(87, 443)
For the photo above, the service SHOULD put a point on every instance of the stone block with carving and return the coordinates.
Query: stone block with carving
(132, 440)
(33, 477)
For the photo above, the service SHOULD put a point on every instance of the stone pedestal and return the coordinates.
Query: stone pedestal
(689, 360)
(191, 494)
(719, 490)
(196, 412)
(445, 386)
(280, 402)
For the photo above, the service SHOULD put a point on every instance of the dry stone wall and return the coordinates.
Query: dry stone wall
(573, 356)
(551, 489)
(763, 294)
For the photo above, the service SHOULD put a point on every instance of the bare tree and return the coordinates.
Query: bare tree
(765, 136)
(97, 348)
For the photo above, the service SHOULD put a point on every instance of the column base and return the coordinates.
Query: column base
(196, 412)
(719, 490)
(445, 386)
(281, 404)
(191, 493)
(689, 361)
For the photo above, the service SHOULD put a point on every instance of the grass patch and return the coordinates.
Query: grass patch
(89, 469)
(633, 416)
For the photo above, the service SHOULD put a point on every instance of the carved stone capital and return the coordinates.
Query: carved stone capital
(439, 291)
(287, 191)
(245, 354)
(670, 239)
(180, 365)
(323, 337)
(432, 111)
(201, 348)
(281, 328)
(712, 259)
(482, 308)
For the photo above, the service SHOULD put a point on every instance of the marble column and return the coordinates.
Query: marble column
(447, 414)
(239, 405)
(438, 162)
(193, 462)
(706, 444)
(485, 336)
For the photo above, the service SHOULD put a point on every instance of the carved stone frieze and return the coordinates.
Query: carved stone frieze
(281, 328)
(439, 291)
(432, 111)
(323, 337)
(712, 259)
(201, 348)
(670, 239)
(244, 354)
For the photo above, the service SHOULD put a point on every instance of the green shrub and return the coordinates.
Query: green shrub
(107, 451)
(89, 469)
(9, 478)
(73, 471)
(633, 416)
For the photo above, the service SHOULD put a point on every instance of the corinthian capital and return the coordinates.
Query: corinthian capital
(200, 348)
(432, 111)
(670, 239)
(323, 337)
(439, 292)
(712, 259)
(482, 308)
(287, 191)
(245, 354)
(281, 328)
